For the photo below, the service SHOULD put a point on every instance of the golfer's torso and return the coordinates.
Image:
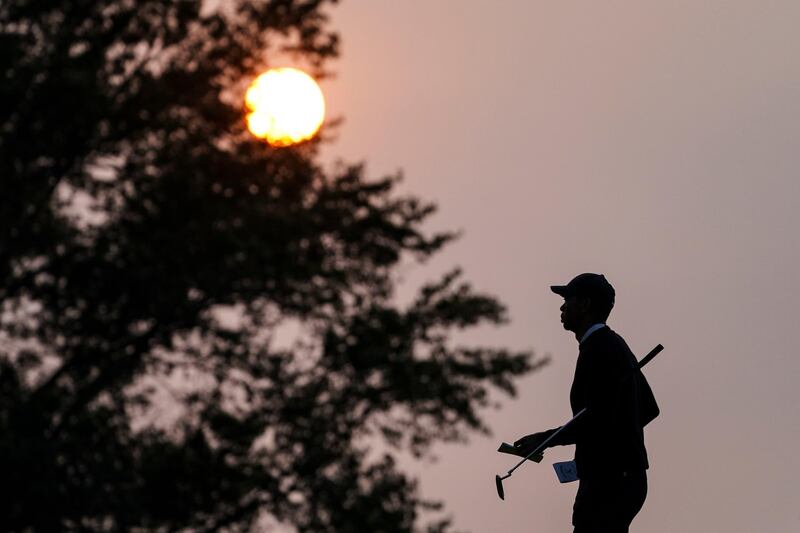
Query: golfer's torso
(611, 439)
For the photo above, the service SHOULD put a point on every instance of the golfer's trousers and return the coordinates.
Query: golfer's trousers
(608, 504)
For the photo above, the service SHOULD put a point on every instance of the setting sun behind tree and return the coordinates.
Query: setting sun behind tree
(286, 106)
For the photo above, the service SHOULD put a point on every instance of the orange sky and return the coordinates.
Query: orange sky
(656, 142)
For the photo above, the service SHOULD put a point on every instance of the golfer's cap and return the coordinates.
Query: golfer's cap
(587, 284)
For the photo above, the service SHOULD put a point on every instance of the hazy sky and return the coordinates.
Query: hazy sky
(655, 142)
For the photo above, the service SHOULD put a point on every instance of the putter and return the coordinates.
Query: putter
(498, 480)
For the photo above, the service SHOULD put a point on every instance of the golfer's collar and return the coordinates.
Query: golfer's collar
(591, 330)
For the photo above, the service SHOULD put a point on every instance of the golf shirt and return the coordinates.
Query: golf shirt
(591, 330)
(609, 438)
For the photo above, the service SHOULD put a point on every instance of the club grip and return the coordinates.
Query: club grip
(649, 357)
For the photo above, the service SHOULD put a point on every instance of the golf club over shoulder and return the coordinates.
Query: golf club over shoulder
(499, 479)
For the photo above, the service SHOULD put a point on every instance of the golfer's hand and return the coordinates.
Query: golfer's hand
(528, 443)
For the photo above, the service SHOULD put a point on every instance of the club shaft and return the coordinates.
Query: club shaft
(543, 445)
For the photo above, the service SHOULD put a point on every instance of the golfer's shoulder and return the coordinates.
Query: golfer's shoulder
(610, 344)
(602, 339)
(613, 339)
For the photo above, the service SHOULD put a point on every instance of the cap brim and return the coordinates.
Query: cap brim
(561, 290)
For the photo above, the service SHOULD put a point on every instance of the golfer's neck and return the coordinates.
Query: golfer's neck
(583, 327)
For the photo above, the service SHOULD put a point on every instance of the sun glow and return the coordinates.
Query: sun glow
(286, 106)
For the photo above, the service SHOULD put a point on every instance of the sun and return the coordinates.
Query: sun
(286, 106)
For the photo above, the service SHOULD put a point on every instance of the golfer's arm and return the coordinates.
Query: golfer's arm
(599, 384)
(569, 434)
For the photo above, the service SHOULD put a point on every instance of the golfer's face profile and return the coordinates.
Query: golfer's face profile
(567, 310)
(570, 313)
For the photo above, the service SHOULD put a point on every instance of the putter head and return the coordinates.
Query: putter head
(499, 482)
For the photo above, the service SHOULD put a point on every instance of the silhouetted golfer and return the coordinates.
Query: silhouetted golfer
(609, 440)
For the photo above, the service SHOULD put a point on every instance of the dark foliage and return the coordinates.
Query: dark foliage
(153, 255)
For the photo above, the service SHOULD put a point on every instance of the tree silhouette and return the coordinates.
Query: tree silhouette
(154, 259)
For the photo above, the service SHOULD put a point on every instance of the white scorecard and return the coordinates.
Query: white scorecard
(566, 471)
